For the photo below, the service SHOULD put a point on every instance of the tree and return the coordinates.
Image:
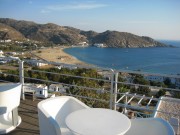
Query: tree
(176, 94)
(167, 81)
(159, 84)
(101, 83)
(139, 79)
(160, 93)
(123, 89)
(141, 90)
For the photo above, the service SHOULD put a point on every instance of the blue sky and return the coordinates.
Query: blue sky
(159, 19)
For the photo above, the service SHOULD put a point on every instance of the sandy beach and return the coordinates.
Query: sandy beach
(57, 55)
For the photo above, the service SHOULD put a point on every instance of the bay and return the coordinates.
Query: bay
(163, 60)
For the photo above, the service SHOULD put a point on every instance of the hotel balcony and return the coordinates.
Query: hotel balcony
(113, 89)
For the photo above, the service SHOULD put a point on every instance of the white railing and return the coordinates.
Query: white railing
(114, 96)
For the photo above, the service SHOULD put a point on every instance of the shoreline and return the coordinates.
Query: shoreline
(57, 54)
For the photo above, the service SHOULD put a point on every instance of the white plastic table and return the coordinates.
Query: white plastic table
(96, 121)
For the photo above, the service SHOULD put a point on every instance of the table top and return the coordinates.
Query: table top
(97, 121)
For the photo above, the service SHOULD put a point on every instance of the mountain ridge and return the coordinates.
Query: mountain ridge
(62, 35)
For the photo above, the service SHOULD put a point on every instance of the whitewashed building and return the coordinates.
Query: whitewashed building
(1, 53)
(37, 63)
(3, 61)
(12, 53)
(162, 79)
(11, 58)
(5, 41)
(39, 90)
(154, 78)
(99, 45)
(57, 88)
(83, 43)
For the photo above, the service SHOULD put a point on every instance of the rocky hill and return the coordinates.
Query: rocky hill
(7, 32)
(45, 32)
(125, 40)
(68, 35)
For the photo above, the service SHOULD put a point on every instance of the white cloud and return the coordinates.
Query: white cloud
(76, 6)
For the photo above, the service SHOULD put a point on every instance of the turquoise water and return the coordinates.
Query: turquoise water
(154, 60)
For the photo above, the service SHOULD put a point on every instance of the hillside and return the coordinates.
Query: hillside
(125, 40)
(47, 32)
(7, 32)
(68, 35)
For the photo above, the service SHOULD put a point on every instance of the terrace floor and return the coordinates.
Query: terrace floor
(29, 115)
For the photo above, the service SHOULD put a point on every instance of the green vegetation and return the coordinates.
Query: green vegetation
(141, 90)
(10, 47)
(160, 93)
(139, 79)
(168, 83)
(75, 82)
(24, 46)
(95, 90)
(176, 94)
(159, 84)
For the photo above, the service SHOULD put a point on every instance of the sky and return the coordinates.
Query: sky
(159, 19)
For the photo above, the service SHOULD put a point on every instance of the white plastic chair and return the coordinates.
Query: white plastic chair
(9, 101)
(150, 126)
(52, 113)
(175, 124)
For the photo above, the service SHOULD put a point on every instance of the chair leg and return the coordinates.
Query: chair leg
(15, 117)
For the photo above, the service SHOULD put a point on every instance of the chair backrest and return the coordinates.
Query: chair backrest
(56, 109)
(10, 96)
(71, 105)
(150, 126)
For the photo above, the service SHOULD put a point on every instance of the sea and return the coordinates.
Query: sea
(161, 60)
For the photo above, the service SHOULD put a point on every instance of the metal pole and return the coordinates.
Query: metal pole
(111, 92)
(115, 89)
(126, 104)
(21, 76)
